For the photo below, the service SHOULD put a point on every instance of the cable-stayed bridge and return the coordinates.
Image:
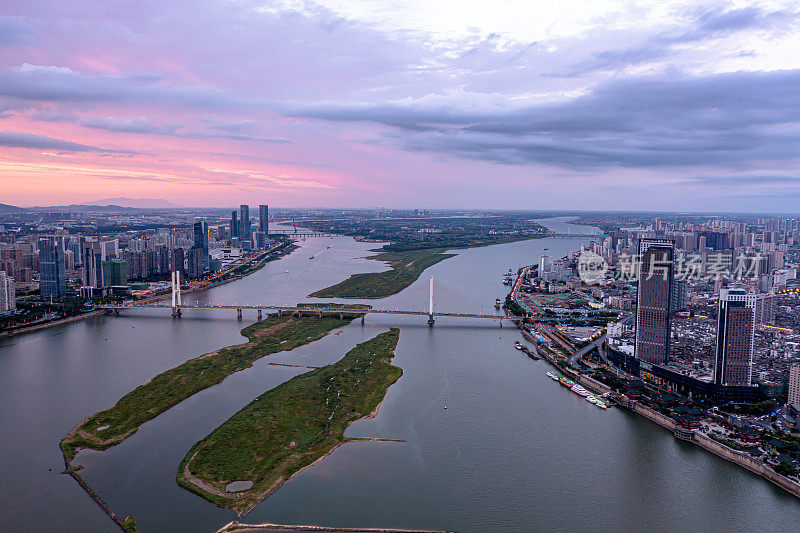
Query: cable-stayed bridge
(435, 300)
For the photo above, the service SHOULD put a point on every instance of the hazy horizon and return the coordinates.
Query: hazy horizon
(677, 106)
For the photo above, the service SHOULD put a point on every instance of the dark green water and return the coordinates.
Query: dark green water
(513, 451)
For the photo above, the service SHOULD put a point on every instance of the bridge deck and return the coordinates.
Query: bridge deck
(291, 308)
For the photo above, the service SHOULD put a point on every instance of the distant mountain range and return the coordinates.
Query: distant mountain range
(141, 203)
(106, 204)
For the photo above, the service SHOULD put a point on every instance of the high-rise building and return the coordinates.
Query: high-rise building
(545, 264)
(259, 240)
(8, 296)
(244, 222)
(195, 263)
(653, 298)
(794, 384)
(92, 269)
(201, 240)
(115, 272)
(765, 310)
(109, 249)
(263, 219)
(234, 224)
(177, 261)
(678, 298)
(52, 268)
(733, 364)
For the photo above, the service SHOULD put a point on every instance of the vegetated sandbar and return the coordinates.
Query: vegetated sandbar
(290, 427)
(408, 262)
(407, 266)
(273, 334)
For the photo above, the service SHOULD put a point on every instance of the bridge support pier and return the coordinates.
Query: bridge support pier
(259, 315)
(501, 323)
(239, 313)
(176, 312)
(319, 314)
(341, 315)
(362, 319)
(431, 321)
(280, 312)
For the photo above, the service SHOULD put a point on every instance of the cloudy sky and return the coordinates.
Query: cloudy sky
(519, 104)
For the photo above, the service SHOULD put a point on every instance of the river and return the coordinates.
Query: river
(513, 451)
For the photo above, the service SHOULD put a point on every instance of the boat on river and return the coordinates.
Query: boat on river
(566, 382)
(580, 391)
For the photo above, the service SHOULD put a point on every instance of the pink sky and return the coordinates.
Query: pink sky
(336, 104)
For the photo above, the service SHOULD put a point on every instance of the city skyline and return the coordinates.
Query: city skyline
(576, 106)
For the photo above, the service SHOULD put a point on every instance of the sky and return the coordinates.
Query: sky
(509, 104)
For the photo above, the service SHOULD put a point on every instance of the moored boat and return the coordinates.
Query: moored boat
(580, 391)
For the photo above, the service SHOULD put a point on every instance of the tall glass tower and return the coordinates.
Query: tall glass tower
(653, 300)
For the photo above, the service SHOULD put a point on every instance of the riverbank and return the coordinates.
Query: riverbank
(285, 249)
(407, 265)
(406, 268)
(273, 334)
(237, 526)
(290, 427)
(698, 438)
(717, 448)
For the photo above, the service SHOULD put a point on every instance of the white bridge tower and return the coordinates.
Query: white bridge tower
(176, 293)
(431, 321)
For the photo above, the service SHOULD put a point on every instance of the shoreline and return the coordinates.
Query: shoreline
(398, 261)
(743, 460)
(155, 298)
(196, 485)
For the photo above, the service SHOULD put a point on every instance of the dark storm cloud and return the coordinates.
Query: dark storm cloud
(657, 121)
(16, 139)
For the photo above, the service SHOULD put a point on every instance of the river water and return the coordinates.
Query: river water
(513, 451)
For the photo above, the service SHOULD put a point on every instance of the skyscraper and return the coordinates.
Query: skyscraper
(733, 364)
(115, 272)
(653, 298)
(244, 222)
(195, 262)
(52, 268)
(8, 297)
(678, 297)
(201, 240)
(263, 219)
(234, 224)
(177, 261)
(92, 270)
(794, 384)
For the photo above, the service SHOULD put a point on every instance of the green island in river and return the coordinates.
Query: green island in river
(407, 266)
(289, 427)
(271, 335)
(407, 261)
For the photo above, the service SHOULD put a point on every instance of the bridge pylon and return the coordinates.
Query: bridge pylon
(176, 293)
(431, 321)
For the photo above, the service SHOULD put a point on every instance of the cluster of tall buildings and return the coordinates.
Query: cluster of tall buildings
(738, 249)
(103, 264)
(241, 228)
(736, 319)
